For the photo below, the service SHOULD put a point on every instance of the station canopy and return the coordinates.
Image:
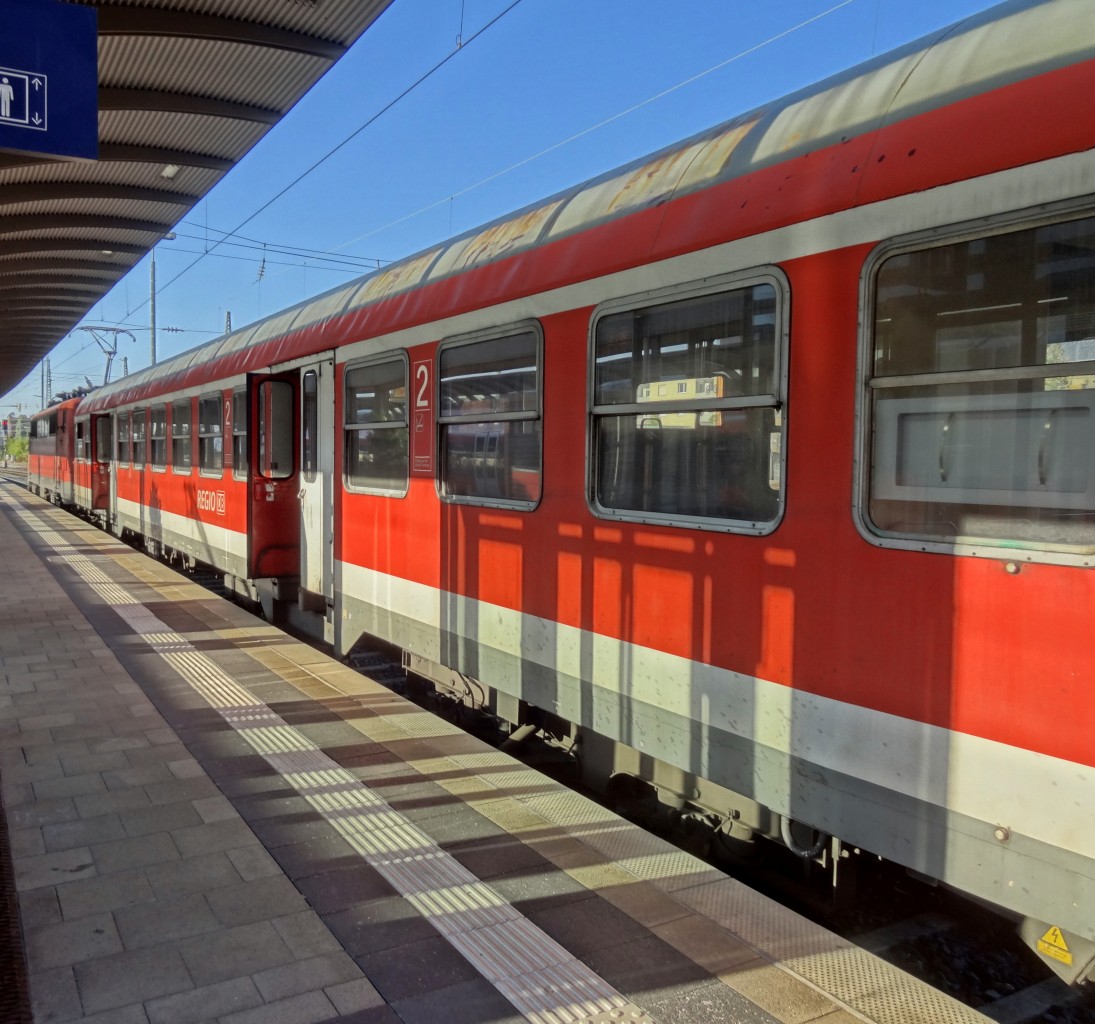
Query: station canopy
(186, 88)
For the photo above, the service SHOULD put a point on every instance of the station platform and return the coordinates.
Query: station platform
(210, 821)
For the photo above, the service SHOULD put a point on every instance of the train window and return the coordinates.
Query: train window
(276, 429)
(158, 434)
(210, 435)
(102, 439)
(82, 447)
(123, 452)
(140, 452)
(490, 420)
(239, 434)
(375, 429)
(309, 425)
(181, 422)
(981, 384)
(687, 410)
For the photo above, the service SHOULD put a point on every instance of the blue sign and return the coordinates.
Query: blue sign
(49, 78)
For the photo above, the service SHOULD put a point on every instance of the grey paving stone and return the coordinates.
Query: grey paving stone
(163, 746)
(354, 996)
(186, 768)
(259, 900)
(535, 890)
(379, 925)
(468, 1003)
(333, 891)
(147, 924)
(310, 1008)
(132, 1014)
(588, 926)
(214, 836)
(324, 853)
(132, 853)
(102, 762)
(71, 942)
(215, 808)
(69, 785)
(147, 820)
(26, 842)
(646, 965)
(496, 855)
(36, 771)
(416, 968)
(234, 952)
(181, 789)
(112, 743)
(53, 868)
(16, 794)
(41, 812)
(143, 775)
(47, 721)
(117, 802)
(305, 934)
(175, 879)
(54, 996)
(253, 862)
(204, 1004)
(306, 976)
(39, 908)
(131, 977)
(84, 832)
(110, 893)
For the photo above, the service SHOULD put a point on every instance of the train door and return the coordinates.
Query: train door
(102, 492)
(317, 431)
(273, 516)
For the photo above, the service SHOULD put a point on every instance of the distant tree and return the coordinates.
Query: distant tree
(17, 448)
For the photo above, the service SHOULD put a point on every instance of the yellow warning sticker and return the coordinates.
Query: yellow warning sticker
(1053, 945)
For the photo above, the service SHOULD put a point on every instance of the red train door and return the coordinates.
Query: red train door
(273, 476)
(101, 443)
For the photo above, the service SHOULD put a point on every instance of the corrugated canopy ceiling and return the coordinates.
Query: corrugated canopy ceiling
(192, 84)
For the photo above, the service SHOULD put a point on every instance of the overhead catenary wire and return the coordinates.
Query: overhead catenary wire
(353, 135)
(600, 124)
(368, 263)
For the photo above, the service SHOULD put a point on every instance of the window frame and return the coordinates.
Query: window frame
(737, 281)
(1007, 550)
(82, 447)
(240, 467)
(188, 436)
(123, 434)
(400, 355)
(138, 417)
(520, 327)
(161, 465)
(211, 471)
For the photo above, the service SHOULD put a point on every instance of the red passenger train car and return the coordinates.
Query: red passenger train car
(761, 470)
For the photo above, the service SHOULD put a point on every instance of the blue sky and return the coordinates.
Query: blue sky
(552, 93)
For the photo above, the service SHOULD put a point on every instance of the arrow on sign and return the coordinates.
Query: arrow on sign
(37, 83)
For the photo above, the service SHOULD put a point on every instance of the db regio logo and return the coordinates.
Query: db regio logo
(211, 501)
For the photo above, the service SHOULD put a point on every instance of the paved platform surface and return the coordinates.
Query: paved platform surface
(211, 821)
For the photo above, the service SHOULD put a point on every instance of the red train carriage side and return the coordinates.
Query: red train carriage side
(52, 452)
(760, 470)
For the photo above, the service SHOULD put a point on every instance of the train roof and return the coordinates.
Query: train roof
(1013, 41)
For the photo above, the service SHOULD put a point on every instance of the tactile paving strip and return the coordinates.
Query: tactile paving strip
(541, 978)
